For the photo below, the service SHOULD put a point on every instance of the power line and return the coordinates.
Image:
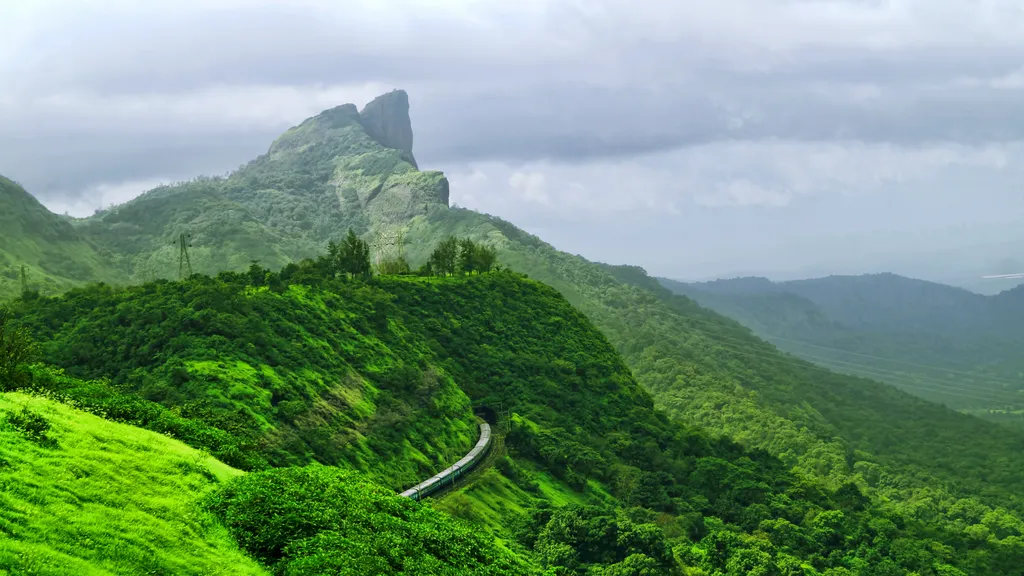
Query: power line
(385, 242)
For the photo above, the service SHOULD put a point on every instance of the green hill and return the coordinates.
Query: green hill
(828, 471)
(84, 495)
(941, 343)
(586, 444)
(54, 254)
(317, 180)
(97, 498)
(297, 374)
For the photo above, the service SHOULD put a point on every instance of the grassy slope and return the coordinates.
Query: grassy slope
(144, 232)
(55, 255)
(107, 499)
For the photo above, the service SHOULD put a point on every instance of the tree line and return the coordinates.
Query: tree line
(452, 256)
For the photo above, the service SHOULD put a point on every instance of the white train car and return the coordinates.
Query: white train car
(449, 475)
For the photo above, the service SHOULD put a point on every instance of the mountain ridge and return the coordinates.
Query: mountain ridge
(940, 342)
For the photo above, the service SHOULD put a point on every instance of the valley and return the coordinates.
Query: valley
(941, 343)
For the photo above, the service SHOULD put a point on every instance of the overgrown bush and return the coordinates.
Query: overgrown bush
(16, 351)
(322, 520)
(31, 424)
(393, 266)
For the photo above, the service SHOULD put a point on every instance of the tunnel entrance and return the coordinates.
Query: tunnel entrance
(490, 415)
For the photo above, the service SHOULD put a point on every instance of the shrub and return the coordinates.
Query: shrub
(31, 424)
(16, 351)
(323, 520)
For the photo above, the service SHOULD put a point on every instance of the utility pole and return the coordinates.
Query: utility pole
(184, 243)
(24, 280)
(384, 244)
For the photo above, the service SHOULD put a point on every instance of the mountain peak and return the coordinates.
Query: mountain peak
(386, 120)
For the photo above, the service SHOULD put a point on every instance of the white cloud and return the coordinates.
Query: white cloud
(531, 186)
(219, 108)
(742, 192)
(101, 196)
(584, 111)
(727, 174)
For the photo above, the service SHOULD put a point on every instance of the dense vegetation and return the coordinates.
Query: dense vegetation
(941, 343)
(643, 459)
(583, 431)
(83, 495)
(295, 374)
(317, 520)
(785, 468)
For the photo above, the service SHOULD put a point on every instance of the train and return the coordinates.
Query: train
(449, 475)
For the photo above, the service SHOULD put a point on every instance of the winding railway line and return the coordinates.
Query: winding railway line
(449, 475)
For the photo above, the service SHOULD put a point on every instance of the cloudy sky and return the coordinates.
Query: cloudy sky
(693, 138)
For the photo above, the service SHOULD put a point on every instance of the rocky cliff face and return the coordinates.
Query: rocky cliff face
(386, 120)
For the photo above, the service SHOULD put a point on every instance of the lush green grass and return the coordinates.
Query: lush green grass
(100, 498)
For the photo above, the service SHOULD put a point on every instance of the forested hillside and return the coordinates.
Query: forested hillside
(84, 495)
(768, 463)
(938, 342)
(658, 495)
(297, 375)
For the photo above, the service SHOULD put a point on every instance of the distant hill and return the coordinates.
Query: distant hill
(56, 256)
(628, 416)
(317, 180)
(942, 343)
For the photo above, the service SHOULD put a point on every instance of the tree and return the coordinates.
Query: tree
(473, 257)
(467, 256)
(333, 259)
(16, 350)
(486, 258)
(391, 266)
(27, 294)
(257, 274)
(353, 256)
(444, 259)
